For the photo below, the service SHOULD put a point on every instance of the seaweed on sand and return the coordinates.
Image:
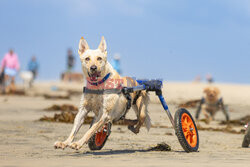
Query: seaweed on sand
(190, 104)
(237, 122)
(160, 147)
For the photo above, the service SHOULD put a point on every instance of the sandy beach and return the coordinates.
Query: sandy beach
(25, 141)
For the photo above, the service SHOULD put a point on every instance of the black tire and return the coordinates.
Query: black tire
(92, 141)
(180, 134)
(246, 140)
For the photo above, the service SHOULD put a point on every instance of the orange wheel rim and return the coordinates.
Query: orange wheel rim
(101, 136)
(189, 130)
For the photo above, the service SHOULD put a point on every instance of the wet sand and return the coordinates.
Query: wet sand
(28, 142)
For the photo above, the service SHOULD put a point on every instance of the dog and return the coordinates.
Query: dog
(27, 77)
(106, 107)
(211, 104)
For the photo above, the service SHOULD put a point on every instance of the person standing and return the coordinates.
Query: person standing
(70, 61)
(70, 65)
(10, 67)
(209, 78)
(33, 67)
(116, 63)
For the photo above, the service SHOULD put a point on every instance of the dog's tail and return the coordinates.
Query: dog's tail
(147, 119)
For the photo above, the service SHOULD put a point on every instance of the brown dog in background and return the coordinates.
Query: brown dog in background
(211, 104)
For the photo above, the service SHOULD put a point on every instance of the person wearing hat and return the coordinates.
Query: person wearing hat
(116, 63)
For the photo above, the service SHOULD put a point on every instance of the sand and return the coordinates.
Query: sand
(28, 142)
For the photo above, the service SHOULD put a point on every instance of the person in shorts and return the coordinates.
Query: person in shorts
(10, 67)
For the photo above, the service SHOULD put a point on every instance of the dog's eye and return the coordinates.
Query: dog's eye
(87, 59)
(99, 58)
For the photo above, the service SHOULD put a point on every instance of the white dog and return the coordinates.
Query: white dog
(108, 107)
(27, 78)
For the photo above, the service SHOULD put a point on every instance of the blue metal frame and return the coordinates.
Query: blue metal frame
(163, 102)
(165, 106)
(144, 86)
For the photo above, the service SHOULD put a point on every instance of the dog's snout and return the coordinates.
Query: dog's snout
(93, 68)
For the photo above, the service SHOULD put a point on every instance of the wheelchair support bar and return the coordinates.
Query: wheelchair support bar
(154, 86)
(138, 88)
(165, 106)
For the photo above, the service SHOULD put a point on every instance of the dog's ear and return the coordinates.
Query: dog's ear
(103, 46)
(83, 46)
(206, 90)
(217, 90)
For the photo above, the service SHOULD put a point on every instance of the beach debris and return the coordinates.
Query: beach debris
(205, 120)
(227, 129)
(169, 133)
(65, 117)
(56, 96)
(74, 92)
(237, 122)
(68, 113)
(64, 107)
(190, 104)
(17, 91)
(160, 147)
(246, 140)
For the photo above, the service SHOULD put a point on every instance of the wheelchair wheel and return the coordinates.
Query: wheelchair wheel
(98, 140)
(186, 130)
(246, 140)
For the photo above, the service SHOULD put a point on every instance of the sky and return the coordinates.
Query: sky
(174, 40)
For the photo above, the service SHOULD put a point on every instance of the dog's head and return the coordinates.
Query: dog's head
(93, 61)
(212, 93)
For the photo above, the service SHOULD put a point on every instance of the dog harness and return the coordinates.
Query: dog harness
(122, 90)
(101, 91)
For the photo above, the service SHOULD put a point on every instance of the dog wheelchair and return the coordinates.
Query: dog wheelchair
(183, 123)
(246, 140)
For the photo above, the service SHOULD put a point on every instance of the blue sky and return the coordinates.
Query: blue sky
(170, 39)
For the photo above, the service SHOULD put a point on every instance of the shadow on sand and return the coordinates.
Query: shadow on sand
(115, 152)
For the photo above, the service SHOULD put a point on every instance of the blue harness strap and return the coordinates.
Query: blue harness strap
(101, 91)
(101, 81)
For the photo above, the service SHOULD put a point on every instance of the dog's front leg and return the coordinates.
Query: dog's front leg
(79, 120)
(96, 126)
(199, 108)
(224, 109)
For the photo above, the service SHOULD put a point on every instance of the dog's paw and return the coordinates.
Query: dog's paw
(59, 144)
(75, 146)
(133, 129)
